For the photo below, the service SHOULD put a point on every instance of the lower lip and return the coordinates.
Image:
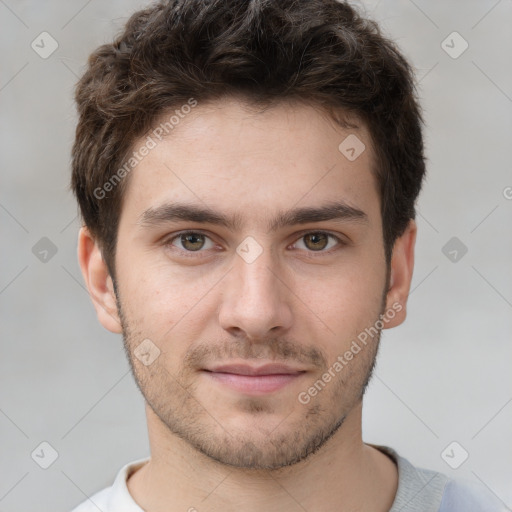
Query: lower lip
(254, 384)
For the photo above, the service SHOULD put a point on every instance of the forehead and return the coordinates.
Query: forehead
(251, 163)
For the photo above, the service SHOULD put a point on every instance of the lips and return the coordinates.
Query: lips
(254, 380)
(266, 369)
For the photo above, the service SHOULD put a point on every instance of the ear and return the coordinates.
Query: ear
(402, 265)
(98, 281)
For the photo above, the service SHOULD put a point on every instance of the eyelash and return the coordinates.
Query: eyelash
(194, 254)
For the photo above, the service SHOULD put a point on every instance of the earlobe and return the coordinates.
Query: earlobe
(98, 281)
(402, 266)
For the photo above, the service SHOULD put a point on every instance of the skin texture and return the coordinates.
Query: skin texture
(302, 301)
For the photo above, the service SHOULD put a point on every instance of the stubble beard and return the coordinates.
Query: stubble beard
(176, 402)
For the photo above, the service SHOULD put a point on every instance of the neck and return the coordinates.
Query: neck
(344, 474)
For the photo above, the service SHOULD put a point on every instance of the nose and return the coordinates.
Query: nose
(256, 299)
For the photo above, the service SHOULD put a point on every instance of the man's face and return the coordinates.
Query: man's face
(224, 301)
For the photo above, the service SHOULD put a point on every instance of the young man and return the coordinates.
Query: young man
(247, 173)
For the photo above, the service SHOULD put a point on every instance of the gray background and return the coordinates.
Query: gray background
(443, 376)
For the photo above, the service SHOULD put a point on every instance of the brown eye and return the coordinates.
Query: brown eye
(316, 241)
(319, 241)
(191, 241)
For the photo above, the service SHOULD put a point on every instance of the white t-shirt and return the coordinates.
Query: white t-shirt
(419, 490)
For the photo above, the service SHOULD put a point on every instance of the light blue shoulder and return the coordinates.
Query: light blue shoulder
(465, 496)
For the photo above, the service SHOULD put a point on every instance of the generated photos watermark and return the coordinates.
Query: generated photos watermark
(150, 143)
(343, 360)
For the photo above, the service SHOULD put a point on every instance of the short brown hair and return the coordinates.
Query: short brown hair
(319, 51)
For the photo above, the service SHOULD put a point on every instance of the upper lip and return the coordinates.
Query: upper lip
(266, 369)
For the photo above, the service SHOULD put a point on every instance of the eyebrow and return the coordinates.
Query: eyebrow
(171, 212)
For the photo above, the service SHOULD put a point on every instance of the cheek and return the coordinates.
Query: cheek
(154, 286)
(347, 303)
